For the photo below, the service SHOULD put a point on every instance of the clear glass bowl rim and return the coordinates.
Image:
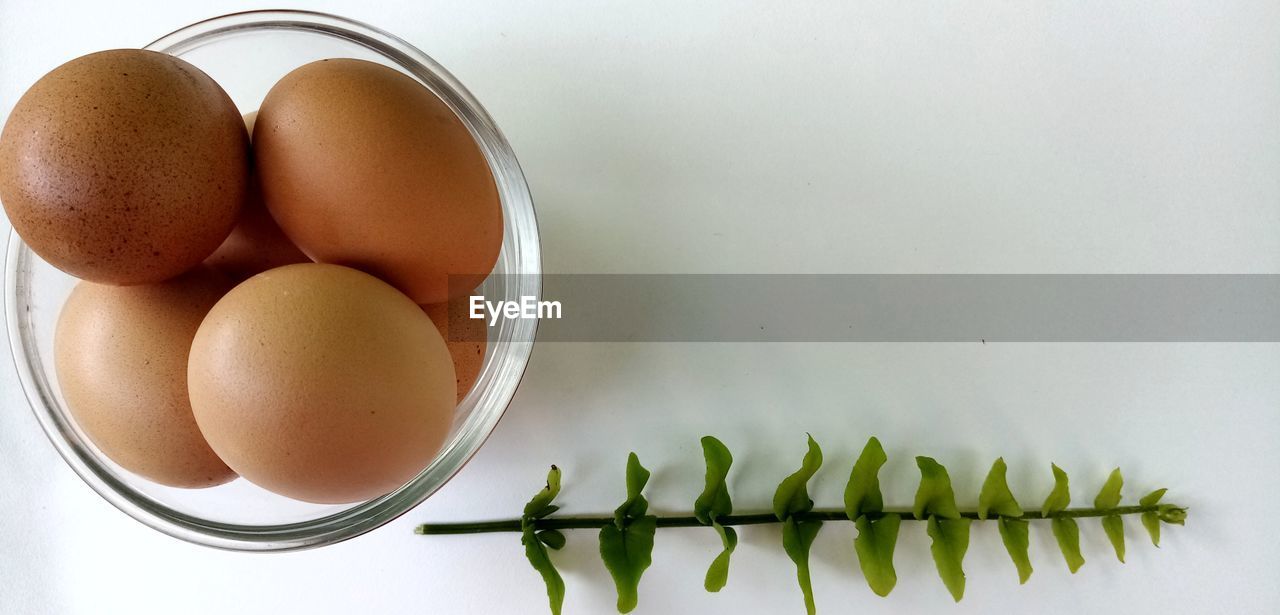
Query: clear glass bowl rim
(521, 247)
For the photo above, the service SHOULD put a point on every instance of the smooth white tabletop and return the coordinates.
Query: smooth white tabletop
(867, 137)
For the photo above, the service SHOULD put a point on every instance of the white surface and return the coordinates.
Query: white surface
(941, 137)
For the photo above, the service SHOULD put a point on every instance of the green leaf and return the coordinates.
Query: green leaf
(995, 496)
(1109, 496)
(626, 553)
(537, 556)
(537, 507)
(950, 542)
(1113, 525)
(554, 539)
(714, 500)
(1060, 497)
(626, 547)
(546, 510)
(862, 493)
(1016, 535)
(1153, 498)
(874, 544)
(637, 477)
(635, 506)
(1151, 521)
(1068, 535)
(713, 503)
(1064, 528)
(792, 495)
(718, 572)
(797, 537)
(934, 497)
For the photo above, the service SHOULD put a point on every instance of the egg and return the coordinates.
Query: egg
(256, 244)
(321, 383)
(465, 337)
(363, 166)
(124, 166)
(120, 355)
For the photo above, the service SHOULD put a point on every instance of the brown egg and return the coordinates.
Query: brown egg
(465, 337)
(124, 166)
(120, 353)
(363, 166)
(321, 383)
(256, 244)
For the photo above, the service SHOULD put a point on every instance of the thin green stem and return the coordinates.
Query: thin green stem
(572, 523)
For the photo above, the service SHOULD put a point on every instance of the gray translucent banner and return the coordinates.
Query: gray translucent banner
(903, 308)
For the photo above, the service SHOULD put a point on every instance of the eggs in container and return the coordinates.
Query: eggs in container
(120, 353)
(204, 343)
(124, 166)
(363, 166)
(321, 383)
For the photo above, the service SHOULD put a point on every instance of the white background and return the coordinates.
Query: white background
(975, 137)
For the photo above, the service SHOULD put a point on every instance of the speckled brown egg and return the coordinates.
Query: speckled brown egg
(256, 244)
(363, 166)
(120, 354)
(465, 337)
(321, 383)
(124, 166)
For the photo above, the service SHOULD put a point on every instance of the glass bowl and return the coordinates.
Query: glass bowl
(247, 53)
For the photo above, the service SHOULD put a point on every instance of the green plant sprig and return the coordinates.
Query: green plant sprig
(627, 537)
(589, 522)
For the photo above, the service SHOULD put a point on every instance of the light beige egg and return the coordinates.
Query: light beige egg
(120, 353)
(322, 383)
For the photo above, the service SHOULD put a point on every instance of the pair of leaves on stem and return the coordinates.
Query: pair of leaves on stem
(626, 546)
(1015, 532)
(877, 536)
(936, 504)
(792, 499)
(712, 504)
(537, 542)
